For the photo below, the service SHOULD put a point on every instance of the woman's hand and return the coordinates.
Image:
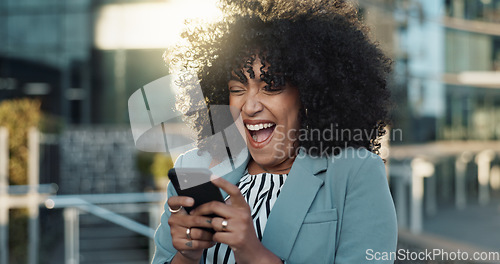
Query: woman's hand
(235, 226)
(190, 245)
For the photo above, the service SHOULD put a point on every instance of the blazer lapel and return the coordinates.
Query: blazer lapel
(291, 207)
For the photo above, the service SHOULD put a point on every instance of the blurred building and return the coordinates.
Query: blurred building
(446, 70)
(472, 70)
(446, 91)
(45, 52)
(83, 59)
(447, 57)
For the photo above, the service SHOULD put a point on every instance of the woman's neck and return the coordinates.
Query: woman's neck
(282, 168)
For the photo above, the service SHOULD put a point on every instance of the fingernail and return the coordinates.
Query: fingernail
(213, 177)
(190, 201)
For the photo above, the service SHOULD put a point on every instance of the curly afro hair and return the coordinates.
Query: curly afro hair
(319, 46)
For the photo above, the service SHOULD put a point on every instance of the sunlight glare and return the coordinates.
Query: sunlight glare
(148, 25)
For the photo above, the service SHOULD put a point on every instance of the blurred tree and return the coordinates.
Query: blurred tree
(161, 165)
(18, 116)
(154, 167)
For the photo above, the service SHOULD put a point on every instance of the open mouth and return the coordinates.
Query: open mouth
(261, 132)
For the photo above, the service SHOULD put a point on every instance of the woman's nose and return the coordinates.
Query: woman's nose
(252, 105)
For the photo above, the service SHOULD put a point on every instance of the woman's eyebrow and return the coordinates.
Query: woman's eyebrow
(235, 77)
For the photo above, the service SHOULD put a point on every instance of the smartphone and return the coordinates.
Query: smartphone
(195, 183)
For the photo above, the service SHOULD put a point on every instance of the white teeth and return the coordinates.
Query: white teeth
(259, 126)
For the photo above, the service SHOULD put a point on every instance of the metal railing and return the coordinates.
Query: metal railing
(73, 205)
(410, 165)
(33, 195)
(30, 198)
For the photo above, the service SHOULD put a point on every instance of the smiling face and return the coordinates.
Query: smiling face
(270, 116)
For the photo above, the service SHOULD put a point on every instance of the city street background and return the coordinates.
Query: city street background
(74, 188)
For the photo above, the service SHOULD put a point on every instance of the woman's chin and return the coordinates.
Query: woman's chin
(269, 155)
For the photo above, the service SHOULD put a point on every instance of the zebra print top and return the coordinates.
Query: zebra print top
(260, 192)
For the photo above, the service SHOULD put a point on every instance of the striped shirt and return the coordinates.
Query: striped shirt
(260, 192)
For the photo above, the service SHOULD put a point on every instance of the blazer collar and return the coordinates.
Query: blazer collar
(290, 209)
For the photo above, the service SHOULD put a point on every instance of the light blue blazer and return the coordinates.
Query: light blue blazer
(330, 210)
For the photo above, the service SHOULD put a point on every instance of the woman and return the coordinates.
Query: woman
(310, 88)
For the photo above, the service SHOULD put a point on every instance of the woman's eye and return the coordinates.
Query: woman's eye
(273, 89)
(236, 90)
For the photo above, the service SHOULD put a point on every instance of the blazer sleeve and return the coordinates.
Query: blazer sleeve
(369, 227)
(165, 251)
